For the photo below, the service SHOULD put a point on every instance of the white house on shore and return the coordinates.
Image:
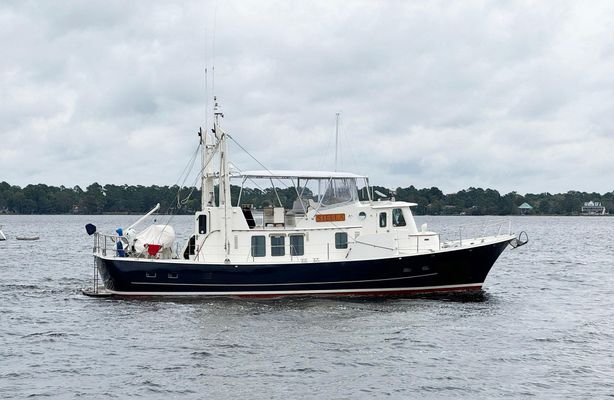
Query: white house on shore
(593, 208)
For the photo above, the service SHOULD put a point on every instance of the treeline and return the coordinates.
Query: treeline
(117, 199)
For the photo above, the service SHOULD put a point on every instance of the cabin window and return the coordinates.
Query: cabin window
(397, 217)
(382, 220)
(297, 245)
(202, 224)
(278, 245)
(258, 246)
(341, 240)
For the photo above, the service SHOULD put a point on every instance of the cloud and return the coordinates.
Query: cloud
(513, 96)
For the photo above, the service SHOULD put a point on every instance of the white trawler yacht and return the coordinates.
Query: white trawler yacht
(328, 243)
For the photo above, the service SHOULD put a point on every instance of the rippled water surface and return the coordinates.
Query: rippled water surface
(543, 326)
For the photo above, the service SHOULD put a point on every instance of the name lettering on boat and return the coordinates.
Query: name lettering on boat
(330, 217)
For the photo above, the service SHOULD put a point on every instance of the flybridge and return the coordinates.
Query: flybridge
(312, 188)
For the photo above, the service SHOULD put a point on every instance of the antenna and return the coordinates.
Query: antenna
(336, 139)
(206, 82)
(213, 50)
(206, 97)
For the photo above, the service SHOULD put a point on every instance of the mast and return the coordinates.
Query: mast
(207, 175)
(224, 178)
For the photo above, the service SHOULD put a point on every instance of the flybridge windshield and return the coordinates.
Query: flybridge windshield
(339, 191)
(302, 193)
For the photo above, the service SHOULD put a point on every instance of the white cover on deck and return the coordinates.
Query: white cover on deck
(163, 235)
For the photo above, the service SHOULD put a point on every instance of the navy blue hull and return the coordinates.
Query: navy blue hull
(461, 269)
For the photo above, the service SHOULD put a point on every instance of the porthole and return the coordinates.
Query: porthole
(173, 275)
(362, 215)
(150, 274)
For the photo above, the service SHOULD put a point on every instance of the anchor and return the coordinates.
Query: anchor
(521, 240)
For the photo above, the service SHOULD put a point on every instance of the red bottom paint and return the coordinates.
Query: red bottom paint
(389, 293)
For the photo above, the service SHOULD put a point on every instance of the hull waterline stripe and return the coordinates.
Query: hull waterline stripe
(466, 286)
(281, 284)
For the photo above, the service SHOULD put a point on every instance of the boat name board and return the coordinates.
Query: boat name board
(330, 217)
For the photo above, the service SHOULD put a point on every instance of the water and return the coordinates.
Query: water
(542, 327)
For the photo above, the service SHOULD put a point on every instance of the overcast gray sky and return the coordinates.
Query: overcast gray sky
(510, 95)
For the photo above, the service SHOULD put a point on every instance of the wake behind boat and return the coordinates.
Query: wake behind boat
(324, 241)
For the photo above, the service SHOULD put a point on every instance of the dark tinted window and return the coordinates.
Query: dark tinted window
(277, 246)
(397, 217)
(202, 224)
(382, 220)
(297, 245)
(258, 246)
(341, 240)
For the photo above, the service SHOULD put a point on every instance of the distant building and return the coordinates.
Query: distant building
(525, 208)
(593, 208)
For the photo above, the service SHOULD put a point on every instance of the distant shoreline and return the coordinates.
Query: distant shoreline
(110, 199)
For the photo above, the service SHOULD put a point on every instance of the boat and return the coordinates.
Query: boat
(2, 236)
(27, 237)
(333, 238)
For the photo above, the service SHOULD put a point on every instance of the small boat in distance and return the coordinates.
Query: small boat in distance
(331, 237)
(2, 237)
(27, 237)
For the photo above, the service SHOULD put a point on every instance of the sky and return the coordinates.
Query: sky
(508, 95)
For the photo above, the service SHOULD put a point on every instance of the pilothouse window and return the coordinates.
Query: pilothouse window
(382, 220)
(397, 217)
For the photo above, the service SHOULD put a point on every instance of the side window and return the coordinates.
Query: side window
(278, 245)
(397, 217)
(258, 246)
(297, 245)
(382, 220)
(341, 240)
(202, 224)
